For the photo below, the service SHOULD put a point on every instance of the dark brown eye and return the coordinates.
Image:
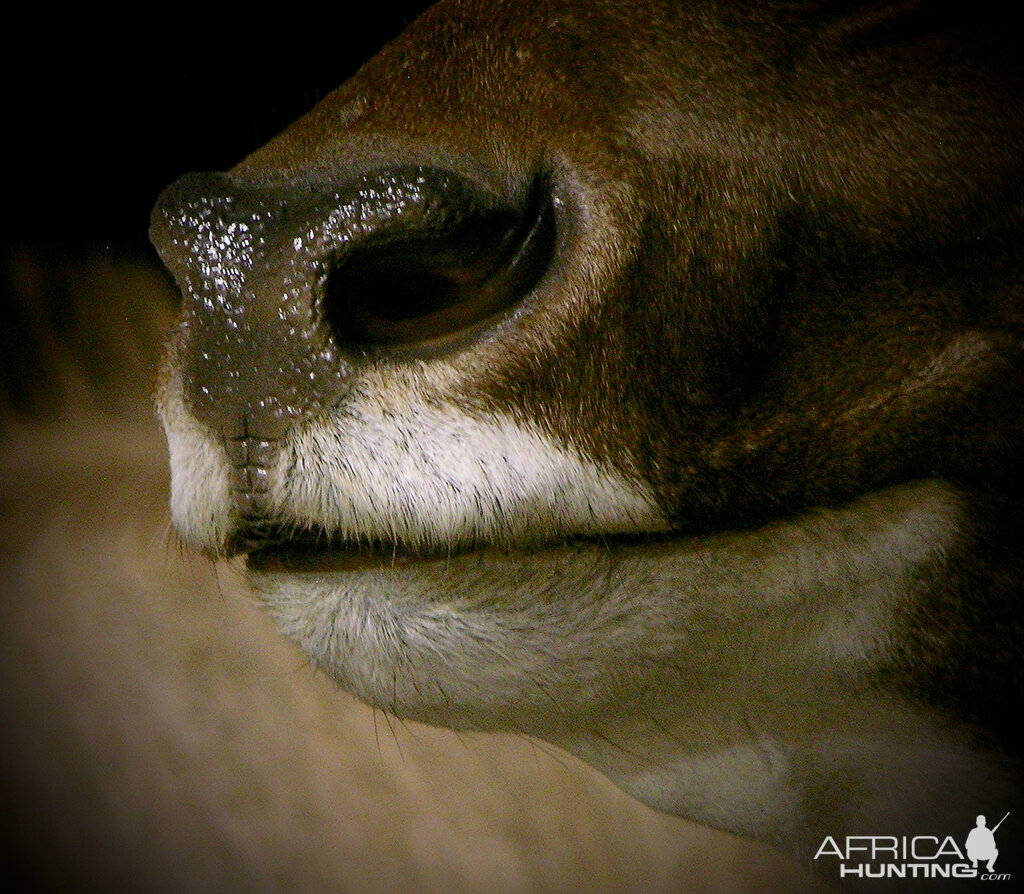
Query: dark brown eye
(415, 289)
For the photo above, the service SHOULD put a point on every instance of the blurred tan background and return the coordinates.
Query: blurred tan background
(158, 736)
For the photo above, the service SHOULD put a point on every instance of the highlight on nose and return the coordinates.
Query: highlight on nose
(286, 286)
(255, 355)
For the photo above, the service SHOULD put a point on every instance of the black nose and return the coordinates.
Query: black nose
(288, 285)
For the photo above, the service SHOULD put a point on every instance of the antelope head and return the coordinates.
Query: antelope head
(644, 377)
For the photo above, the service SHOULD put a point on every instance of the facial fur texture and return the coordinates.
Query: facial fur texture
(717, 494)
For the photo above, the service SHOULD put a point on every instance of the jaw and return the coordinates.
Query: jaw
(677, 666)
(733, 679)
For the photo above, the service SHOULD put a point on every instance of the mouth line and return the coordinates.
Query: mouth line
(310, 555)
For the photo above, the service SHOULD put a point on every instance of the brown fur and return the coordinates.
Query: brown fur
(783, 274)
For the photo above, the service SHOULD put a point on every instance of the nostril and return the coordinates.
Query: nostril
(419, 289)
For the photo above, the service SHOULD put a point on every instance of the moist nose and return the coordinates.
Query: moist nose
(254, 355)
(257, 355)
(287, 287)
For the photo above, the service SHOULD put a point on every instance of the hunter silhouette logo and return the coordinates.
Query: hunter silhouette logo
(916, 856)
(981, 843)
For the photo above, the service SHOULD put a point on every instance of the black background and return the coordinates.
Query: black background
(103, 111)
